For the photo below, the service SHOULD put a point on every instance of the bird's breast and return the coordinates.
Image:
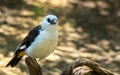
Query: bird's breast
(43, 45)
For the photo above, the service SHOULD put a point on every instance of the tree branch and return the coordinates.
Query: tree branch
(33, 66)
(78, 67)
(85, 67)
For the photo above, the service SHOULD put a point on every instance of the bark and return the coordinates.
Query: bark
(78, 67)
(33, 66)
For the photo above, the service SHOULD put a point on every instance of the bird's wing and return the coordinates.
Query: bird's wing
(27, 41)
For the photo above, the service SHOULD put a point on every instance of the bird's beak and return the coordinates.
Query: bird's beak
(54, 21)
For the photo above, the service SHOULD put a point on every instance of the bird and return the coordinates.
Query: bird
(40, 41)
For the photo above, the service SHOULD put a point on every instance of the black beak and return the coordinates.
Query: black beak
(53, 21)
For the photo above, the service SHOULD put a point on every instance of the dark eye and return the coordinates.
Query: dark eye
(48, 19)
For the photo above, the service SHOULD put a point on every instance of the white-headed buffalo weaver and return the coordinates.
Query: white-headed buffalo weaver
(40, 41)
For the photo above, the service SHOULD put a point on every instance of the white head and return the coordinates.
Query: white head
(49, 23)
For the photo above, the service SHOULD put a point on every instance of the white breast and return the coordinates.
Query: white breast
(43, 45)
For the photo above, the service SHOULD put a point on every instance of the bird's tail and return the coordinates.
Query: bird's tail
(14, 61)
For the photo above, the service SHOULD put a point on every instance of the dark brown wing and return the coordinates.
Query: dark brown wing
(27, 41)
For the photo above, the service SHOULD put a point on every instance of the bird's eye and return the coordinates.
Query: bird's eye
(48, 19)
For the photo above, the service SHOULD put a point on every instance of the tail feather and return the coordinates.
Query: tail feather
(14, 61)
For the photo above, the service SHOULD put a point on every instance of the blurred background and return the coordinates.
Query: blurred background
(87, 29)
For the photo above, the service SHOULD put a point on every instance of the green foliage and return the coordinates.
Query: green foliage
(73, 23)
(38, 11)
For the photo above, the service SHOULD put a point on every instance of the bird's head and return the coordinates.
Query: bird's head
(50, 22)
